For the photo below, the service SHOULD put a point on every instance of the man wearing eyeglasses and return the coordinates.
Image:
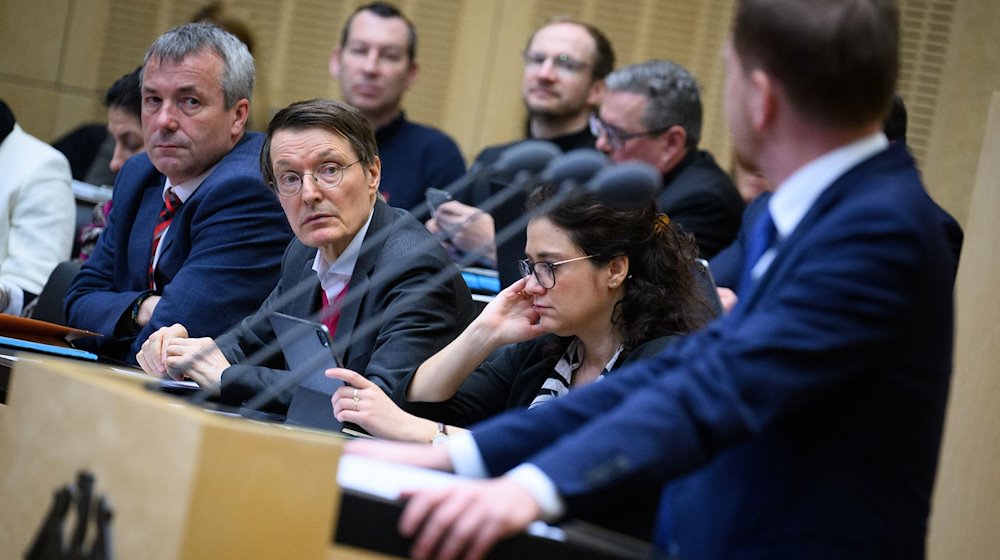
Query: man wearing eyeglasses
(652, 112)
(565, 63)
(355, 263)
(375, 64)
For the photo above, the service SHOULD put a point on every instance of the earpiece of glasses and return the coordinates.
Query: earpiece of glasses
(545, 272)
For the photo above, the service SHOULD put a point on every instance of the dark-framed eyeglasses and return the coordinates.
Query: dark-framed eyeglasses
(563, 63)
(617, 138)
(327, 176)
(545, 272)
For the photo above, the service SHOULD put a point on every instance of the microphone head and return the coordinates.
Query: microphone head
(530, 155)
(626, 186)
(573, 168)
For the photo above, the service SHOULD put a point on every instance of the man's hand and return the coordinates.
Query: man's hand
(467, 227)
(152, 354)
(170, 353)
(466, 521)
(146, 309)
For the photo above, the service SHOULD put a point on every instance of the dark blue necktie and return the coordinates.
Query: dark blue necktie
(762, 236)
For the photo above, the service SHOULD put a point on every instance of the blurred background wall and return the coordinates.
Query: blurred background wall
(58, 56)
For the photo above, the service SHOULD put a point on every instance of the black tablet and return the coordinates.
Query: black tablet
(308, 351)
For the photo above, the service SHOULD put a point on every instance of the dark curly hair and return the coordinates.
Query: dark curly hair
(661, 295)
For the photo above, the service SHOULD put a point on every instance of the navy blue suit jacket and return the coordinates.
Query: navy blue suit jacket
(220, 257)
(415, 158)
(804, 424)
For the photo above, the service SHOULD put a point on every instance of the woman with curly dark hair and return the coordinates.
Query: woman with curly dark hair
(601, 287)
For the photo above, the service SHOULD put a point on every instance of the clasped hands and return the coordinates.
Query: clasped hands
(169, 353)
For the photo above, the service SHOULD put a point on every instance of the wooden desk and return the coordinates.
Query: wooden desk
(182, 482)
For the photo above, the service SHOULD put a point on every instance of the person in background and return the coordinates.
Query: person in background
(194, 235)
(807, 422)
(351, 248)
(375, 64)
(652, 112)
(565, 62)
(37, 213)
(124, 102)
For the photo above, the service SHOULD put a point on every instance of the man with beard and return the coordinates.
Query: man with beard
(565, 63)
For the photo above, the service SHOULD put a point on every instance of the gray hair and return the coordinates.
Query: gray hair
(672, 92)
(185, 40)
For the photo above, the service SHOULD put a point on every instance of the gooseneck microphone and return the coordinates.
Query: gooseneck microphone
(626, 186)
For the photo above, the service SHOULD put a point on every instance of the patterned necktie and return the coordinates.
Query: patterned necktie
(331, 319)
(762, 237)
(170, 207)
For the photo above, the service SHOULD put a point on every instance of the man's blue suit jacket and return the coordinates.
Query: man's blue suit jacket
(220, 257)
(804, 424)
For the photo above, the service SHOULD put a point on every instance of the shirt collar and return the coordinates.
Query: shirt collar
(392, 126)
(573, 357)
(334, 276)
(186, 189)
(796, 194)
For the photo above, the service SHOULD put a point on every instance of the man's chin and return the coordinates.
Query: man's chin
(170, 167)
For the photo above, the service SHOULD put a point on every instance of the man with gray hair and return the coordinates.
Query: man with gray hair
(194, 235)
(652, 112)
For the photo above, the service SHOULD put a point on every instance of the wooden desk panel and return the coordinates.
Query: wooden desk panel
(182, 482)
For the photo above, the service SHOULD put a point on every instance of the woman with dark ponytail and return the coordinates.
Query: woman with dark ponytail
(601, 287)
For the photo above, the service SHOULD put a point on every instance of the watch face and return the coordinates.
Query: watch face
(440, 438)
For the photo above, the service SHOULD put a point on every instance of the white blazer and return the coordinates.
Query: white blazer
(37, 211)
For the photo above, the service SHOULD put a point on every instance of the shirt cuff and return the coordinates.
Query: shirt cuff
(466, 459)
(541, 488)
(15, 299)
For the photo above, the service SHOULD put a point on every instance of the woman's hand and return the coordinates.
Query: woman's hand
(511, 316)
(366, 404)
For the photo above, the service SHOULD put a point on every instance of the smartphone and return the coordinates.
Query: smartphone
(436, 197)
(706, 284)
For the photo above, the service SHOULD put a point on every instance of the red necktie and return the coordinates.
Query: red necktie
(331, 319)
(170, 207)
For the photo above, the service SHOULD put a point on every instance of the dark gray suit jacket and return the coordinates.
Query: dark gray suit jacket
(698, 195)
(390, 286)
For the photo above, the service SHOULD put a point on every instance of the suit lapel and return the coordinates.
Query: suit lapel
(833, 196)
(358, 288)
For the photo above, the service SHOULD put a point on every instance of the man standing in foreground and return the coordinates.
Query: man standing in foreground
(194, 236)
(806, 422)
(376, 64)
